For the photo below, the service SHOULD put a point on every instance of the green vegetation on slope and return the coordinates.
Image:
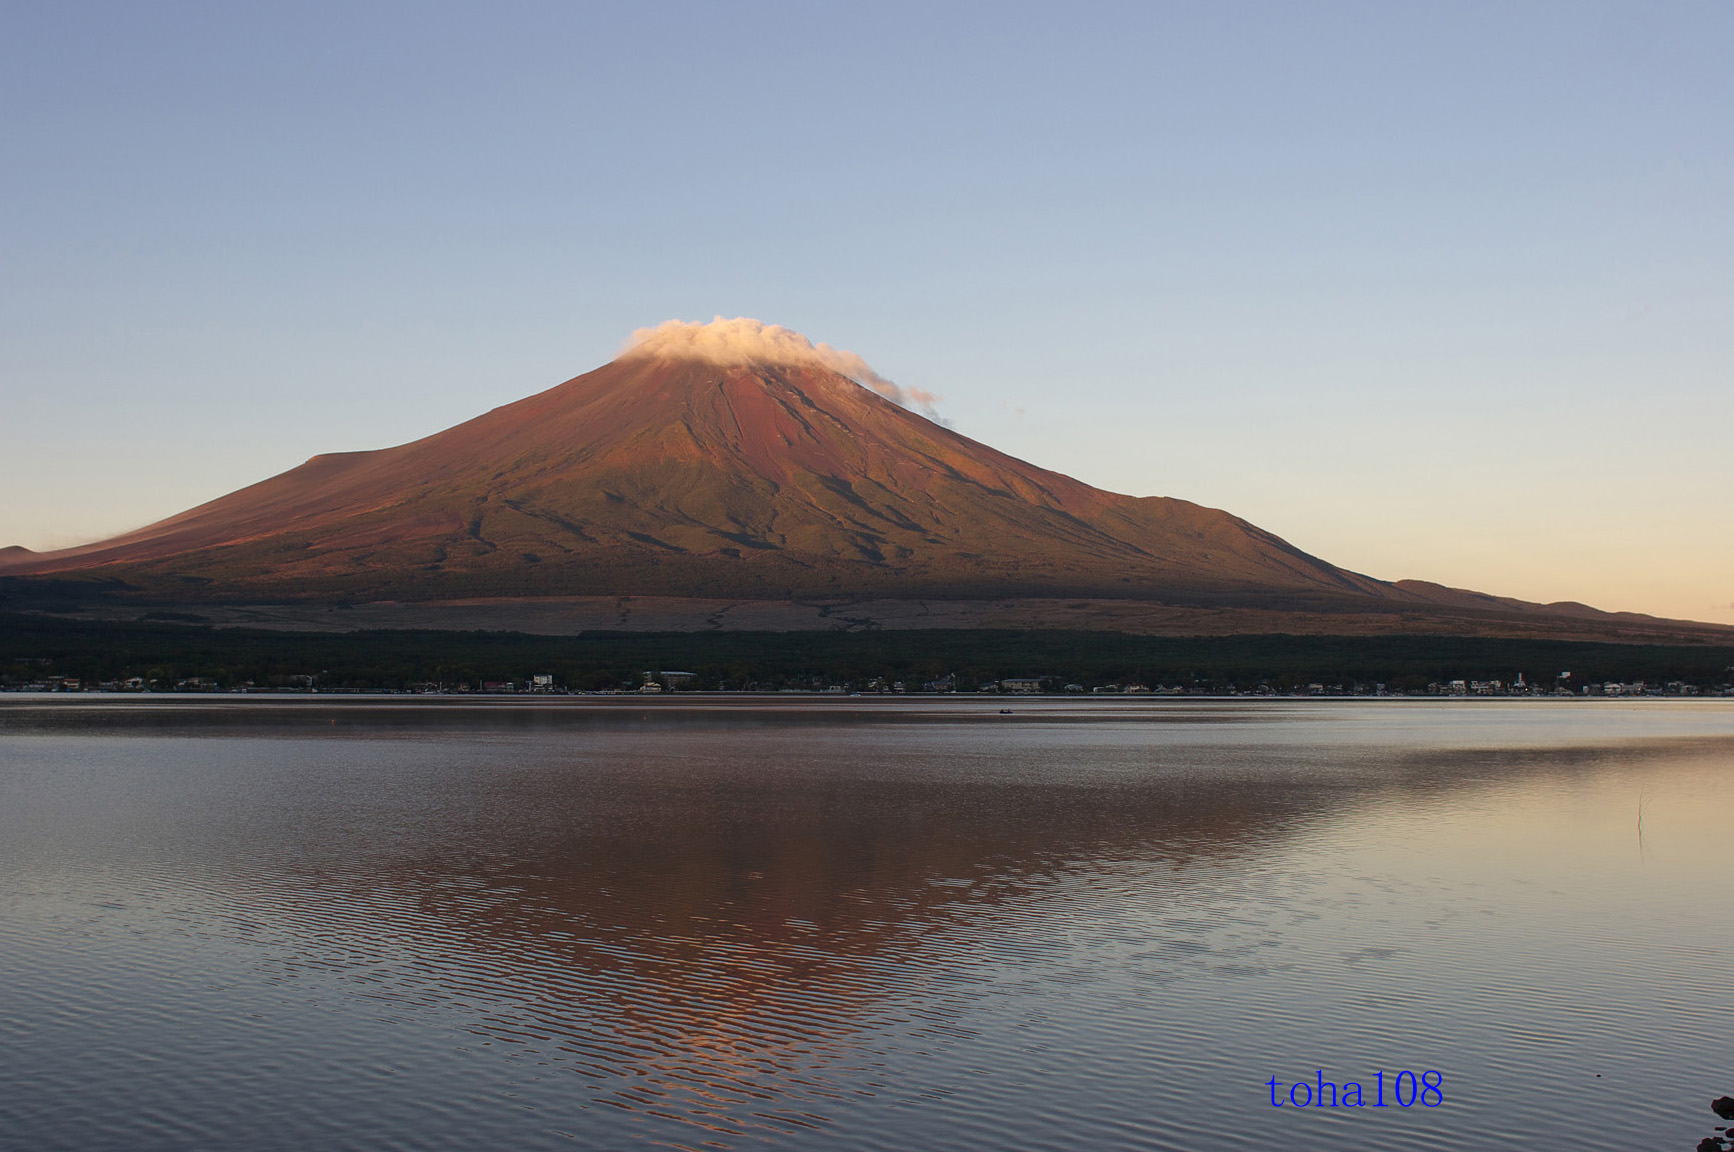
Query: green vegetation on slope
(36, 648)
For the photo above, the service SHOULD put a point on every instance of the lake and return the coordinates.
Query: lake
(737, 923)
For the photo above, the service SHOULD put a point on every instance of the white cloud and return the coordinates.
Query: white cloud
(746, 341)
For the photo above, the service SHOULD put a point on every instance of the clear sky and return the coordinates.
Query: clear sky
(1433, 290)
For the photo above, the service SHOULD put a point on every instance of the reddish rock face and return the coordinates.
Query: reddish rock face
(680, 477)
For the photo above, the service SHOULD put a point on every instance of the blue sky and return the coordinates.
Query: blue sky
(1438, 291)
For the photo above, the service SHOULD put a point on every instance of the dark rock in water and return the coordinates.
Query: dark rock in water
(1723, 1106)
(1710, 1144)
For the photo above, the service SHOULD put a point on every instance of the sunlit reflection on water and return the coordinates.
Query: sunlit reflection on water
(860, 927)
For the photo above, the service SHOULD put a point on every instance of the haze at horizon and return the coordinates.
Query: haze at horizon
(1440, 295)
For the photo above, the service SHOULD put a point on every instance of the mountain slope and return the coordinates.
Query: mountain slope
(733, 469)
(689, 475)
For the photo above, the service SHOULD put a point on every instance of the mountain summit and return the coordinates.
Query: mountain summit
(725, 459)
(729, 462)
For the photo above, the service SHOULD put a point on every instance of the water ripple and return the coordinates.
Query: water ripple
(1104, 935)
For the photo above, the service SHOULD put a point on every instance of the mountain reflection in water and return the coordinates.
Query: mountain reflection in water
(736, 929)
(883, 930)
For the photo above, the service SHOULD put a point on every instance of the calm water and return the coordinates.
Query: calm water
(596, 924)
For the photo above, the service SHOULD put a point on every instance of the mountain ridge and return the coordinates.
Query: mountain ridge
(817, 484)
(718, 461)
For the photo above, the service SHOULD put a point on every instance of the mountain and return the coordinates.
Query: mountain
(689, 472)
(726, 461)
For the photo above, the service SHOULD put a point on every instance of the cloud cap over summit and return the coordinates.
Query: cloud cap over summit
(746, 341)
